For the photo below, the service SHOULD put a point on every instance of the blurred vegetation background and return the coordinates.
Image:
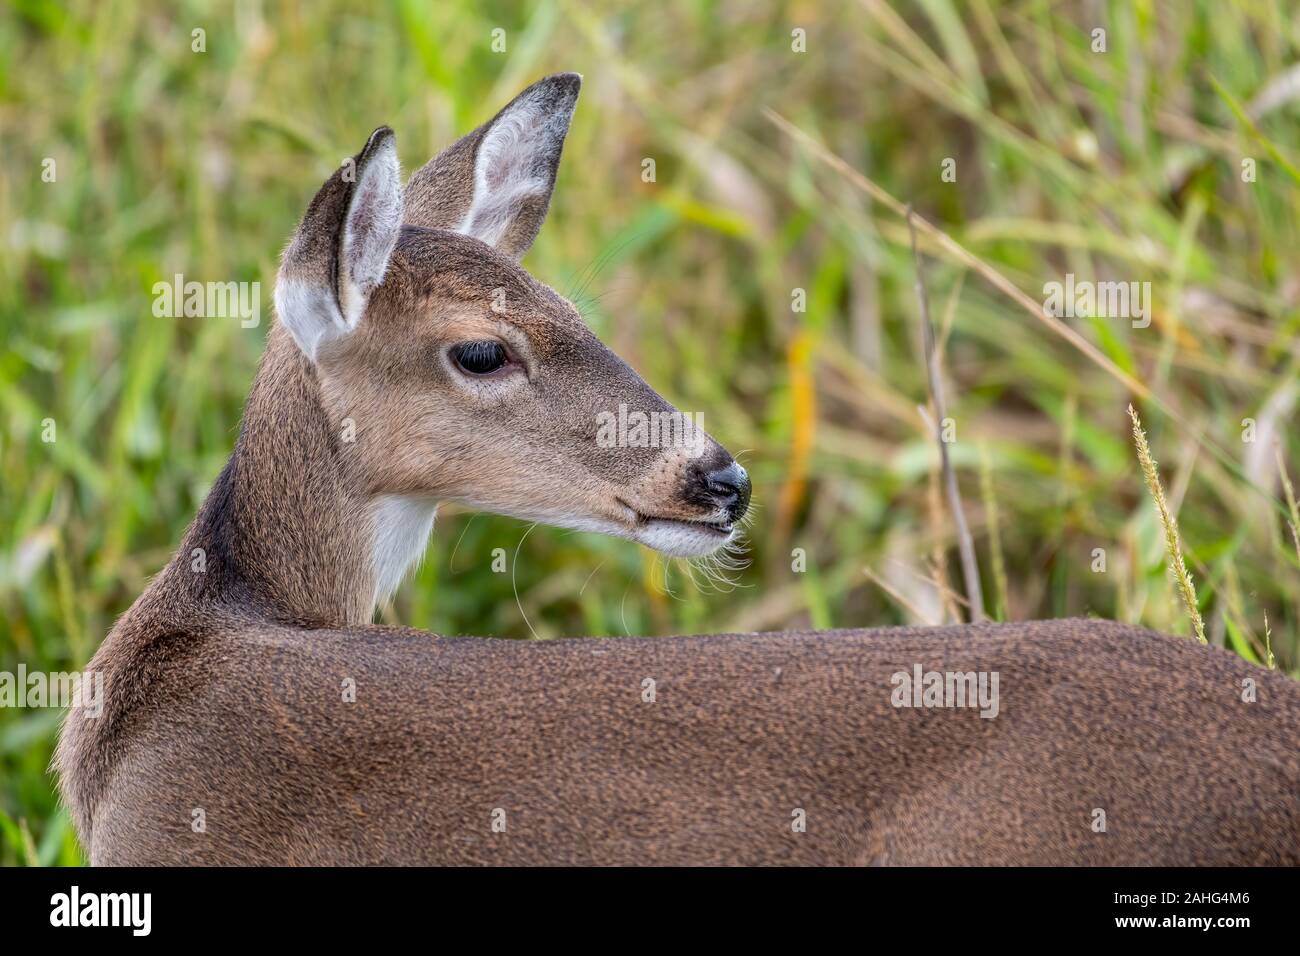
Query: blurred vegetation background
(1124, 164)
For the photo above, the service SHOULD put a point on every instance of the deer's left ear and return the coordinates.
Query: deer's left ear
(495, 183)
(340, 253)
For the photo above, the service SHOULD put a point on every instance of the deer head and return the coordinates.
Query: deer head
(459, 377)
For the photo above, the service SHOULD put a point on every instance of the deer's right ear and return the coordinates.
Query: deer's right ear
(341, 250)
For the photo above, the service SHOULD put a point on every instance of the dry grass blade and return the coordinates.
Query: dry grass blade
(1173, 546)
(995, 535)
(899, 599)
(1293, 513)
(965, 545)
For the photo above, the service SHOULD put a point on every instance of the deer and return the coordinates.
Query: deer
(253, 714)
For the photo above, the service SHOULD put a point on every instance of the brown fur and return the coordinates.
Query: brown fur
(225, 689)
(246, 723)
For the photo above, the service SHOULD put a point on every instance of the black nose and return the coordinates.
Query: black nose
(730, 488)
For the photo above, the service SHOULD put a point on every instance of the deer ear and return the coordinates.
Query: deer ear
(341, 250)
(495, 183)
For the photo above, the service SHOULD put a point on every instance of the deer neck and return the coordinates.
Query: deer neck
(289, 526)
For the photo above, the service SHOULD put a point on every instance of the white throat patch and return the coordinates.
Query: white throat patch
(401, 532)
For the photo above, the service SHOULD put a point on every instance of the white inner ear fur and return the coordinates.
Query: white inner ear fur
(370, 231)
(512, 164)
(309, 312)
(308, 309)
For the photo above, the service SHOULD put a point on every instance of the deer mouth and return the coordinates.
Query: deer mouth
(642, 520)
(680, 537)
(720, 528)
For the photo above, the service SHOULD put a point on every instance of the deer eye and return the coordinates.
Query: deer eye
(479, 358)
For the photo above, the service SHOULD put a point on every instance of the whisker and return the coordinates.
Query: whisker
(590, 576)
(451, 561)
(622, 609)
(514, 564)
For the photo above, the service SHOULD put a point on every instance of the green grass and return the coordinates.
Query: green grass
(1122, 165)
